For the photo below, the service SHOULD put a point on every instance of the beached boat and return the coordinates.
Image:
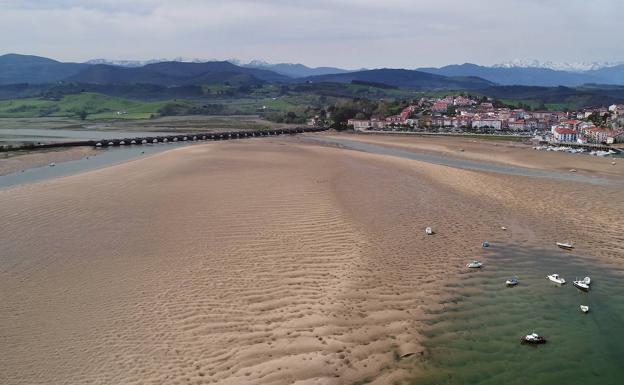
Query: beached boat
(485, 244)
(52, 164)
(512, 281)
(582, 284)
(474, 264)
(565, 245)
(556, 279)
(584, 308)
(503, 228)
(428, 231)
(572, 170)
(533, 338)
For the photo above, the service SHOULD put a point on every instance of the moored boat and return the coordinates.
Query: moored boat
(582, 284)
(512, 281)
(584, 308)
(474, 264)
(533, 338)
(556, 279)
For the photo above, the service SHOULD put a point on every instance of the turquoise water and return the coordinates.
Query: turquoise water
(476, 339)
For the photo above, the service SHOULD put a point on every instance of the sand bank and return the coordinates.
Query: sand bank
(16, 161)
(258, 262)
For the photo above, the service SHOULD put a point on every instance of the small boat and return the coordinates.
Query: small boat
(428, 231)
(533, 338)
(582, 284)
(556, 279)
(485, 244)
(565, 246)
(584, 308)
(474, 264)
(52, 164)
(512, 282)
(503, 228)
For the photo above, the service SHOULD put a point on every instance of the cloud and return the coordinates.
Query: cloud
(351, 33)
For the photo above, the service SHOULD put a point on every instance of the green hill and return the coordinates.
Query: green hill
(96, 106)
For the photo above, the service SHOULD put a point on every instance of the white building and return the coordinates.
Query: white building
(495, 124)
(359, 125)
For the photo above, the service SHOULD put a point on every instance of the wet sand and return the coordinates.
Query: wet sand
(16, 161)
(264, 261)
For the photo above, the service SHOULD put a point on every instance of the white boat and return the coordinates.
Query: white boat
(584, 308)
(503, 228)
(533, 338)
(572, 170)
(52, 164)
(428, 231)
(556, 279)
(565, 245)
(582, 284)
(474, 264)
(485, 244)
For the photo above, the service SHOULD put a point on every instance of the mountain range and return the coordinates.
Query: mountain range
(15, 69)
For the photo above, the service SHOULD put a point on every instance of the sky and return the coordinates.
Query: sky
(344, 33)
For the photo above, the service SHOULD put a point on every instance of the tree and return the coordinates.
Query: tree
(82, 114)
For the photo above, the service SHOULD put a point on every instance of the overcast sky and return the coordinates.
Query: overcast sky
(346, 33)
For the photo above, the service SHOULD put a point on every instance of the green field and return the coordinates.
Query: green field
(96, 106)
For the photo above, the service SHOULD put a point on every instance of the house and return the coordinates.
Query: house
(496, 124)
(359, 125)
(562, 134)
(439, 106)
(572, 124)
(598, 134)
(518, 125)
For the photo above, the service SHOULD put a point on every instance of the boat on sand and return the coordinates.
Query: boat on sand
(474, 264)
(565, 245)
(429, 231)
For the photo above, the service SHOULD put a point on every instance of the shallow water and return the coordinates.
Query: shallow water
(464, 163)
(476, 339)
(105, 157)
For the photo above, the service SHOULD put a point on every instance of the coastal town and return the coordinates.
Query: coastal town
(465, 114)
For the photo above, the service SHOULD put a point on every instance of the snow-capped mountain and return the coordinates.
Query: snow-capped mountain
(559, 66)
(140, 63)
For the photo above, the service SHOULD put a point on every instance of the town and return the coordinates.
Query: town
(465, 114)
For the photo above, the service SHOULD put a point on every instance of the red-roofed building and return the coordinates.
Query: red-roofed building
(598, 134)
(571, 124)
(439, 107)
(564, 134)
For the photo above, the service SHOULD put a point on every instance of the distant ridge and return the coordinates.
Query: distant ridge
(532, 76)
(177, 73)
(406, 79)
(15, 68)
